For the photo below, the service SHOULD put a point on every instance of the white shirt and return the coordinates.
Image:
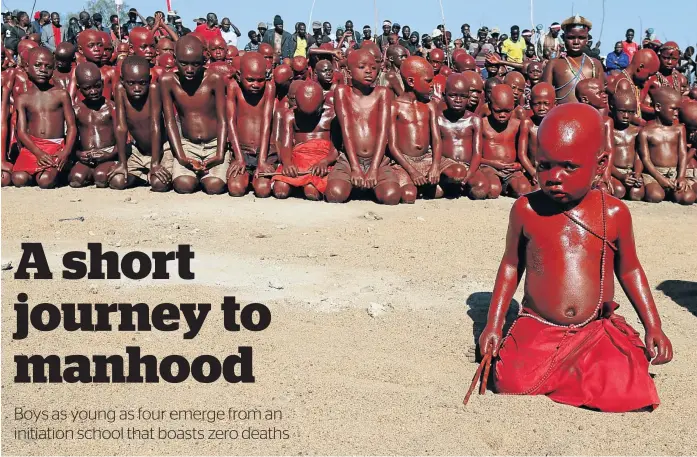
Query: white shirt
(229, 37)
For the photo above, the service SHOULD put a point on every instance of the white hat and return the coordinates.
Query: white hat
(436, 33)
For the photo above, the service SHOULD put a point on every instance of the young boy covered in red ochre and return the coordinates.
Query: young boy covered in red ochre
(45, 125)
(567, 342)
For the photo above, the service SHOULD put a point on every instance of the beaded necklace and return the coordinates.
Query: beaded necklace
(578, 75)
(663, 81)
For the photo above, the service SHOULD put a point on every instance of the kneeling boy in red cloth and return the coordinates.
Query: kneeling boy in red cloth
(45, 125)
(306, 147)
(567, 343)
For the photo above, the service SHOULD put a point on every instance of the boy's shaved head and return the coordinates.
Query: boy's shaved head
(570, 137)
(355, 57)
(436, 55)
(502, 96)
(395, 52)
(309, 97)
(624, 100)
(282, 74)
(65, 50)
(87, 73)
(322, 65)
(644, 64)
(24, 46)
(370, 47)
(188, 45)
(231, 51)
(85, 35)
(570, 126)
(445, 71)
(491, 83)
(514, 77)
(298, 64)
(415, 66)
(135, 67)
(541, 90)
(665, 95)
(35, 51)
(166, 61)
(252, 63)
(265, 48)
(456, 82)
(165, 45)
(464, 62)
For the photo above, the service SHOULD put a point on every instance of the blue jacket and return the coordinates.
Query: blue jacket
(287, 42)
(616, 62)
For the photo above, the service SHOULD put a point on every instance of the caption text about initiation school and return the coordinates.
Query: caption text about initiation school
(97, 317)
(146, 424)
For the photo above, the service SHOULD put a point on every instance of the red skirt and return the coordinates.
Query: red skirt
(27, 162)
(603, 365)
(304, 156)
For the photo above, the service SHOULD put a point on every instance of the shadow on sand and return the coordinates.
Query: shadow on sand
(478, 304)
(684, 293)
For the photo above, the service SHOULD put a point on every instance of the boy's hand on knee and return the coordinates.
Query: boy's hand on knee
(161, 173)
(119, 169)
(236, 168)
(681, 184)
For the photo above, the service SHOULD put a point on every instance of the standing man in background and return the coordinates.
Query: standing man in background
(280, 40)
(230, 36)
(209, 29)
(628, 45)
(514, 47)
(54, 34)
(43, 20)
(550, 44)
(302, 41)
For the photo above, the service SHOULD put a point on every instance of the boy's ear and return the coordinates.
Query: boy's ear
(657, 106)
(410, 81)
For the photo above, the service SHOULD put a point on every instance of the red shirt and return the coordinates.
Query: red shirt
(630, 49)
(207, 33)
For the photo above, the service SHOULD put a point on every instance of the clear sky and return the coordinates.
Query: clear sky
(671, 19)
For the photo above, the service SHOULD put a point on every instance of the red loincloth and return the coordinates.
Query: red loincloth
(602, 366)
(304, 156)
(27, 162)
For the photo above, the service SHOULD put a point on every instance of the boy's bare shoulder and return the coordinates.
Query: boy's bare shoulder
(167, 79)
(616, 207)
(523, 207)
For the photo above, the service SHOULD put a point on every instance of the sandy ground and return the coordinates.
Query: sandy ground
(373, 317)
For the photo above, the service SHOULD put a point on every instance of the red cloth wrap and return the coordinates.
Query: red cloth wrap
(27, 162)
(304, 156)
(603, 365)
